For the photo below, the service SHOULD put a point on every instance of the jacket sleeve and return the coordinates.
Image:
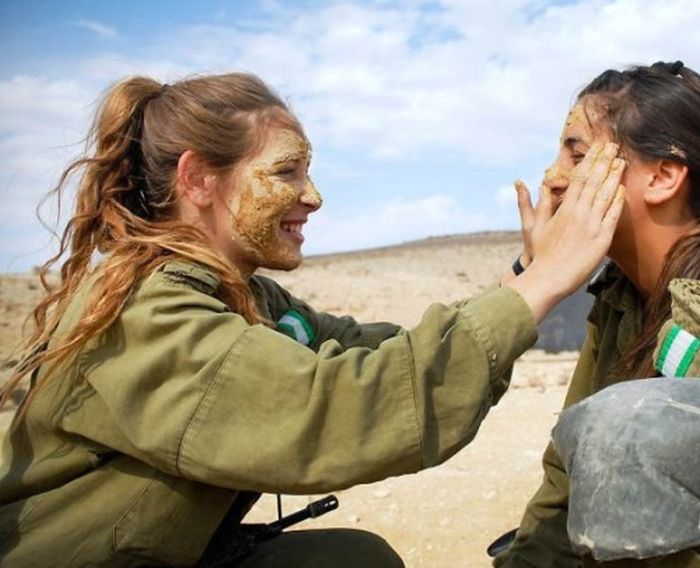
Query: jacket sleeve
(324, 326)
(182, 383)
(542, 538)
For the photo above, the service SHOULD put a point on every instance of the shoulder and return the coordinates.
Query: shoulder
(269, 289)
(677, 350)
(175, 287)
(273, 298)
(685, 303)
(189, 274)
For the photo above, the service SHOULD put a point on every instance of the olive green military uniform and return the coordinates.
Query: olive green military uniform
(133, 452)
(542, 539)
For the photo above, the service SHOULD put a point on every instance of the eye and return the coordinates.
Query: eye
(577, 157)
(287, 168)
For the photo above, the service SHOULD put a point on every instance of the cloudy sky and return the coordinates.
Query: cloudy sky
(421, 113)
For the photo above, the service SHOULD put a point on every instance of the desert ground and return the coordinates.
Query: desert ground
(445, 516)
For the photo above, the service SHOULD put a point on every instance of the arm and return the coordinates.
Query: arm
(344, 329)
(185, 385)
(542, 539)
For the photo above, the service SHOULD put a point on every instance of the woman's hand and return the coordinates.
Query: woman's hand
(527, 222)
(568, 242)
(528, 216)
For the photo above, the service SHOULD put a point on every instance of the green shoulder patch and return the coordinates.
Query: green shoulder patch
(677, 353)
(294, 325)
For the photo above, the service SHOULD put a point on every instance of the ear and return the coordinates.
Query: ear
(664, 179)
(196, 183)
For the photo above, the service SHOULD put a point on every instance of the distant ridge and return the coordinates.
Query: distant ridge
(444, 241)
(563, 330)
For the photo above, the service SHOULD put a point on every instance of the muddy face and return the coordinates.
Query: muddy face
(575, 140)
(271, 201)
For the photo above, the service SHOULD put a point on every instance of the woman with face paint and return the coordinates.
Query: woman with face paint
(621, 478)
(170, 385)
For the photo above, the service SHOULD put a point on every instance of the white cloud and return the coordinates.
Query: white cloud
(489, 84)
(43, 123)
(383, 80)
(98, 28)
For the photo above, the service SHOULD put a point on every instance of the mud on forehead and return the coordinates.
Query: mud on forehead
(593, 111)
(271, 120)
(578, 124)
(281, 145)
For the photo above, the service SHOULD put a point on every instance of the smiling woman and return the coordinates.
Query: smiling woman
(261, 205)
(171, 385)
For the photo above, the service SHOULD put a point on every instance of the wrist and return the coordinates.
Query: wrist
(518, 266)
(539, 290)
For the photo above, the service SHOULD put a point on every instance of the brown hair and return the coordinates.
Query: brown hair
(126, 204)
(655, 112)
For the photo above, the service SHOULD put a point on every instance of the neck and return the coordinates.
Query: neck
(641, 255)
(245, 270)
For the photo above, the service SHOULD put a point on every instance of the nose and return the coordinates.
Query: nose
(310, 197)
(556, 177)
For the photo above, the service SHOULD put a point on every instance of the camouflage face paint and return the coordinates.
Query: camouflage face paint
(267, 213)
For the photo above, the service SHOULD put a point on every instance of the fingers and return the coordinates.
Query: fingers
(612, 215)
(527, 213)
(598, 174)
(582, 172)
(604, 197)
(545, 206)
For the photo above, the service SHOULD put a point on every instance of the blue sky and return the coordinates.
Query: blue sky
(421, 114)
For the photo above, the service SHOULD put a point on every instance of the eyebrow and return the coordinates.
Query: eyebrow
(288, 158)
(571, 141)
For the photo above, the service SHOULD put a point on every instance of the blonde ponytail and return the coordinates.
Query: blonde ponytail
(125, 204)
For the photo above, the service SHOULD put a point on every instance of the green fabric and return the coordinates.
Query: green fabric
(669, 338)
(688, 359)
(685, 312)
(336, 548)
(134, 451)
(542, 540)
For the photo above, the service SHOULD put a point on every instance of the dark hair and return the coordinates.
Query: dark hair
(655, 112)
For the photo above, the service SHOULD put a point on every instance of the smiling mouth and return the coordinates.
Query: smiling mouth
(292, 230)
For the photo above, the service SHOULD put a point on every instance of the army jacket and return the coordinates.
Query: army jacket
(132, 453)
(542, 540)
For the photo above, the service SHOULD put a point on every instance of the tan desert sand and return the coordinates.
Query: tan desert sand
(447, 515)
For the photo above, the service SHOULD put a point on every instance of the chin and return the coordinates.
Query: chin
(285, 262)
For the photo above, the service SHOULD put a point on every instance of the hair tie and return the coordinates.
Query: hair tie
(672, 68)
(675, 68)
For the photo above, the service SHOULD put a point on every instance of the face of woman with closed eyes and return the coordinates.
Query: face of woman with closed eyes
(576, 138)
(584, 125)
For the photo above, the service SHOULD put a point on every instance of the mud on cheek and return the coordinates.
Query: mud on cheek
(262, 205)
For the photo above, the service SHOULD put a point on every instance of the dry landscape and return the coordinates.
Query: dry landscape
(445, 516)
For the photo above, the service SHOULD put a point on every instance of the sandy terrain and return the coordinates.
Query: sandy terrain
(441, 517)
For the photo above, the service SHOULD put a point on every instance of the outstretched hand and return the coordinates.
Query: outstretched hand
(567, 242)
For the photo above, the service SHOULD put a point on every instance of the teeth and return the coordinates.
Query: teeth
(292, 227)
